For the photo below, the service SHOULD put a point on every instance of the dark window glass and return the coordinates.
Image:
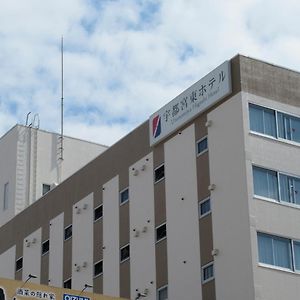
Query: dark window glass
(297, 255)
(68, 232)
(208, 272)
(265, 183)
(124, 196)
(163, 294)
(98, 213)
(68, 284)
(19, 264)
(262, 120)
(98, 268)
(161, 232)
(45, 247)
(124, 253)
(205, 207)
(46, 188)
(202, 146)
(288, 127)
(159, 173)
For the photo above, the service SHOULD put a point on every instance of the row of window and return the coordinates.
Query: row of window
(279, 252)
(276, 185)
(274, 123)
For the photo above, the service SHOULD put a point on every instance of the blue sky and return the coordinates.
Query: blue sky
(125, 59)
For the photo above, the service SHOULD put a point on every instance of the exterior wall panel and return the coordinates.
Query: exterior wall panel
(142, 228)
(111, 260)
(7, 263)
(32, 256)
(82, 243)
(56, 252)
(182, 217)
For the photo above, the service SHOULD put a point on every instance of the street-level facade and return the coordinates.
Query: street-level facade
(207, 209)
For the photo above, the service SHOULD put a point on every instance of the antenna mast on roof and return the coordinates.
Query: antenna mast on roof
(62, 101)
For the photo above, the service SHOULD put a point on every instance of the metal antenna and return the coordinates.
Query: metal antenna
(62, 100)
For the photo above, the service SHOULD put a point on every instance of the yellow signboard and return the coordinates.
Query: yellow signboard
(19, 290)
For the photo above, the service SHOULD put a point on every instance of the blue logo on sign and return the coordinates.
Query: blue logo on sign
(74, 297)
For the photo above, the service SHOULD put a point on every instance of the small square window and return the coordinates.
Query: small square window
(98, 268)
(19, 264)
(124, 253)
(208, 272)
(202, 146)
(162, 293)
(161, 232)
(124, 196)
(204, 207)
(45, 247)
(98, 212)
(159, 173)
(68, 283)
(46, 188)
(68, 232)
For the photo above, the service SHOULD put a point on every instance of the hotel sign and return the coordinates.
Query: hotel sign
(199, 97)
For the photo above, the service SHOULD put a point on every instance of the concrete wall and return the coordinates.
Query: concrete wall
(7, 263)
(183, 246)
(229, 200)
(142, 228)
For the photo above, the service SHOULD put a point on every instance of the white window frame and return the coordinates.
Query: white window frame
(279, 201)
(199, 208)
(70, 278)
(48, 240)
(16, 264)
(121, 261)
(95, 276)
(66, 239)
(202, 272)
(199, 141)
(127, 188)
(161, 179)
(160, 289)
(94, 213)
(157, 241)
(279, 139)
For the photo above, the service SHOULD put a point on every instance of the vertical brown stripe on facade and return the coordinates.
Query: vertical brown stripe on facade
(205, 223)
(98, 284)
(124, 224)
(67, 273)
(159, 203)
(45, 269)
(161, 264)
(125, 279)
(98, 240)
(208, 290)
(19, 253)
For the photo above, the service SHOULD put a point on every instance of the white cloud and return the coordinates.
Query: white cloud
(125, 59)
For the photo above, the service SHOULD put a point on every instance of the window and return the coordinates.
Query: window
(98, 268)
(161, 232)
(275, 251)
(289, 189)
(262, 120)
(265, 183)
(124, 196)
(208, 272)
(5, 196)
(204, 207)
(45, 247)
(46, 188)
(202, 146)
(68, 232)
(159, 173)
(98, 212)
(68, 283)
(297, 255)
(19, 264)
(124, 253)
(288, 127)
(162, 293)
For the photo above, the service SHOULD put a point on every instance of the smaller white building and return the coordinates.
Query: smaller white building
(31, 165)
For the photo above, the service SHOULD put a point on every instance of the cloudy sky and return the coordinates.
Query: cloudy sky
(124, 59)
